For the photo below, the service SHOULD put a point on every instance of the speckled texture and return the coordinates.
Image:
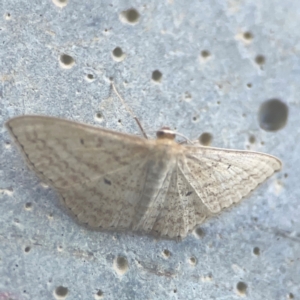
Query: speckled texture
(219, 62)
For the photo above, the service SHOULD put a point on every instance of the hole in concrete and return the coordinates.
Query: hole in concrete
(256, 251)
(241, 288)
(121, 265)
(27, 249)
(273, 115)
(205, 53)
(28, 206)
(205, 139)
(260, 59)
(89, 77)
(193, 261)
(156, 76)
(130, 16)
(61, 292)
(99, 295)
(199, 232)
(107, 31)
(122, 262)
(118, 54)
(66, 61)
(99, 116)
(206, 278)
(187, 97)
(166, 253)
(60, 3)
(252, 139)
(195, 119)
(248, 35)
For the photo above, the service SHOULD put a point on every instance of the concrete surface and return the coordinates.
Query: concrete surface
(218, 62)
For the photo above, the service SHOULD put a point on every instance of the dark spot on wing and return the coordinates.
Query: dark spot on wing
(82, 141)
(107, 181)
(99, 142)
(228, 167)
(189, 193)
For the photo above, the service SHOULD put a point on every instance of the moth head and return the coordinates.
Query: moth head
(165, 133)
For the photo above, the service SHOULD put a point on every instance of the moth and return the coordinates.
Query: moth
(121, 182)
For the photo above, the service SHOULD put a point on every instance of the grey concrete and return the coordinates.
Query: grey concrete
(42, 248)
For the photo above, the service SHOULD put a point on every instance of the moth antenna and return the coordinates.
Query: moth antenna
(129, 110)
